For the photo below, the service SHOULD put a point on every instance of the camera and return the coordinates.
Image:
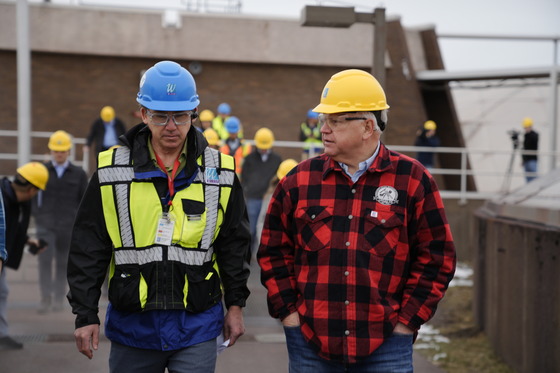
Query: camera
(34, 249)
(514, 134)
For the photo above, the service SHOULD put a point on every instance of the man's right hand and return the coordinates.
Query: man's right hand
(87, 339)
(291, 320)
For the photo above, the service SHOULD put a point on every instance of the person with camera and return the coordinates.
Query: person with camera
(15, 212)
(427, 137)
(530, 142)
(54, 211)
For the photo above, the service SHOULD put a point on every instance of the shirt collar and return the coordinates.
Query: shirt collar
(182, 156)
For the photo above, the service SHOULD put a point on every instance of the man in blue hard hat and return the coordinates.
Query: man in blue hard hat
(310, 134)
(165, 214)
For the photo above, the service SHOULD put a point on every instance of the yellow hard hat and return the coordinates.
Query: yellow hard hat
(206, 116)
(264, 138)
(60, 141)
(107, 114)
(430, 125)
(211, 136)
(36, 173)
(527, 122)
(352, 90)
(285, 167)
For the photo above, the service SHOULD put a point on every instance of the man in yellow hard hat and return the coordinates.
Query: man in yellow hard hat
(259, 167)
(15, 211)
(356, 251)
(54, 211)
(426, 137)
(205, 119)
(105, 131)
(530, 143)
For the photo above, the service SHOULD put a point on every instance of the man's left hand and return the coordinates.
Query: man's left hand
(233, 324)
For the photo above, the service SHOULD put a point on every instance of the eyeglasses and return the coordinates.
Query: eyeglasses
(160, 118)
(336, 122)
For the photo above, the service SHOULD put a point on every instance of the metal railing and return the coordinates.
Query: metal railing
(491, 181)
(84, 162)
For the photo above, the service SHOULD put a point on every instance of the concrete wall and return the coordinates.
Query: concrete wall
(517, 292)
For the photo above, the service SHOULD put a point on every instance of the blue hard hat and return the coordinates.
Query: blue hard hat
(167, 86)
(312, 115)
(232, 124)
(224, 108)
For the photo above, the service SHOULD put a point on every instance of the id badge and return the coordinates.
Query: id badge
(164, 232)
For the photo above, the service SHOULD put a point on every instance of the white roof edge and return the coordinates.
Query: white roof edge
(443, 75)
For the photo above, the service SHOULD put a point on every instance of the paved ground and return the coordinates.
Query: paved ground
(49, 343)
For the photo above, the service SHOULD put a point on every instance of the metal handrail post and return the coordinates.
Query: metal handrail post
(463, 200)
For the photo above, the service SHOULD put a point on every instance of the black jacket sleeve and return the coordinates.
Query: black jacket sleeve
(232, 249)
(89, 258)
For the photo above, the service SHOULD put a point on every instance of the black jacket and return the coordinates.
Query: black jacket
(17, 220)
(91, 247)
(56, 206)
(97, 132)
(256, 175)
(530, 142)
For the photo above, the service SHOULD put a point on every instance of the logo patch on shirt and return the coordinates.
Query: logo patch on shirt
(386, 195)
(211, 176)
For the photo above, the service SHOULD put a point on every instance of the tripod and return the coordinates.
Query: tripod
(507, 180)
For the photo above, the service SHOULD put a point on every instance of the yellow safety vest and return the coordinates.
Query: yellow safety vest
(145, 275)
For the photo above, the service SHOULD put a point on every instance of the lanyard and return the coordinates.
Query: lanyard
(171, 178)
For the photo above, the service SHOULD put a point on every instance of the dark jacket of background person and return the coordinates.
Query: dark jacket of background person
(256, 174)
(97, 133)
(426, 158)
(530, 142)
(59, 202)
(17, 220)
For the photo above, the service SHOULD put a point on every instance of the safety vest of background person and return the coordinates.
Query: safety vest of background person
(233, 126)
(311, 136)
(190, 257)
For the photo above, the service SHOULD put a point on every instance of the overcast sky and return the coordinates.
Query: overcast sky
(486, 17)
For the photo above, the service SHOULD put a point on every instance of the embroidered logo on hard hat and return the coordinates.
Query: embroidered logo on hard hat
(386, 195)
(211, 176)
(171, 88)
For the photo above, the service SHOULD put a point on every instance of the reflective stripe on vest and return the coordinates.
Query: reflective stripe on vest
(119, 174)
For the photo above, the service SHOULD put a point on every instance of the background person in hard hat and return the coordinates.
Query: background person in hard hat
(234, 145)
(356, 251)
(15, 211)
(166, 216)
(427, 137)
(219, 122)
(205, 119)
(310, 133)
(286, 166)
(259, 168)
(104, 131)
(530, 142)
(54, 211)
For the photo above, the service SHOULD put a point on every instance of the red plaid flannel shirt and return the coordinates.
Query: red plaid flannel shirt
(355, 259)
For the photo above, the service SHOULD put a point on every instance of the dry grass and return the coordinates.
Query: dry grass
(467, 349)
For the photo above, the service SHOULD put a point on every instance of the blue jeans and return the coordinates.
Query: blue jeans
(200, 358)
(393, 356)
(530, 167)
(253, 210)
